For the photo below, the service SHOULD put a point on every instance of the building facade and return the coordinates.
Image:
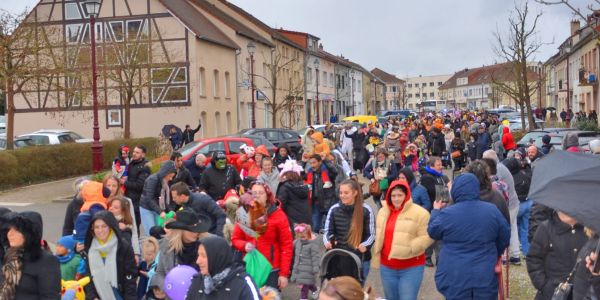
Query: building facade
(394, 90)
(422, 88)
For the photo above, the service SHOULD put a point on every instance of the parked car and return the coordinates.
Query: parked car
(257, 140)
(403, 113)
(277, 136)
(55, 137)
(584, 137)
(2, 124)
(537, 134)
(230, 145)
(361, 119)
(515, 124)
(17, 142)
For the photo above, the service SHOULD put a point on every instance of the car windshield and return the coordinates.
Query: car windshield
(23, 143)
(189, 148)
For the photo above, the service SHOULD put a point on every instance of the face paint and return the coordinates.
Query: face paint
(221, 163)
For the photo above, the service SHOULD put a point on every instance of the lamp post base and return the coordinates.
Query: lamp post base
(97, 156)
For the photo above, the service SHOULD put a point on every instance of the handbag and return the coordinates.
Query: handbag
(455, 154)
(375, 189)
(564, 289)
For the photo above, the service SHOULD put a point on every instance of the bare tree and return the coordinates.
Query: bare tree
(280, 72)
(26, 58)
(519, 46)
(294, 92)
(576, 10)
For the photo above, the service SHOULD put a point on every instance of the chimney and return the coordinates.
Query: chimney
(574, 26)
(321, 46)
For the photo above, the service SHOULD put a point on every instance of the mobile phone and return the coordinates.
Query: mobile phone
(596, 266)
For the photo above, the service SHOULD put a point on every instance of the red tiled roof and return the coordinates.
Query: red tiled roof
(386, 77)
(197, 23)
(485, 75)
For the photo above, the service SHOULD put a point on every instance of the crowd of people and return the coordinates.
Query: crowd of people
(250, 229)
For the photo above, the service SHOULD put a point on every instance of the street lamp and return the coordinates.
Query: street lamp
(317, 63)
(251, 50)
(93, 8)
(352, 80)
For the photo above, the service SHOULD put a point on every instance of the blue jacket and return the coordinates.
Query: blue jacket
(419, 196)
(473, 235)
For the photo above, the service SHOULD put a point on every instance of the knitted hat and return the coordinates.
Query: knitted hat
(546, 139)
(68, 242)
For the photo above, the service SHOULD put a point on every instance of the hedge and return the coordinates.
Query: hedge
(46, 163)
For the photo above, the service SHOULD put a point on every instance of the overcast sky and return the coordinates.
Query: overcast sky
(403, 37)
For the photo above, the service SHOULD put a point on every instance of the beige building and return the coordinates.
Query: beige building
(422, 88)
(192, 63)
(394, 90)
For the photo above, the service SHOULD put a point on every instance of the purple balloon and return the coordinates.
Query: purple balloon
(178, 281)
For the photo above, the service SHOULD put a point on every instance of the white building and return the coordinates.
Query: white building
(422, 88)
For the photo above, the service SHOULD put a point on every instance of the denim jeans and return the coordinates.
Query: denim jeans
(317, 217)
(401, 284)
(523, 224)
(366, 267)
(148, 220)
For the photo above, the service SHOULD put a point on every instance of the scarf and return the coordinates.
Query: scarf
(211, 282)
(63, 259)
(433, 172)
(165, 196)
(12, 271)
(104, 271)
(188, 254)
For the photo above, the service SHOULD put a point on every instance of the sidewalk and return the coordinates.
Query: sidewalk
(54, 191)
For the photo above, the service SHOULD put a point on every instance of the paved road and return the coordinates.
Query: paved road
(50, 199)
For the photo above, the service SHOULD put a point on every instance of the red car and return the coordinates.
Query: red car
(230, 145)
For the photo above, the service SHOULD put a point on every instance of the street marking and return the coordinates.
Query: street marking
(14, 204)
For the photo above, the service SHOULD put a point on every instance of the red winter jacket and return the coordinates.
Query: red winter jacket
(508, 142)
(276, 244)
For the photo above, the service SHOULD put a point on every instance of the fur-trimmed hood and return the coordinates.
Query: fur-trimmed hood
(30, 225)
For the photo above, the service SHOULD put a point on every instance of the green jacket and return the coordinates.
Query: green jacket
(69, 269)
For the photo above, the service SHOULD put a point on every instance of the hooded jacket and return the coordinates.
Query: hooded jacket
(237, 284)
(307, 256)
(552, 254)
(34, 284)
(216, 182)
(153, 186)
(437, 144)
(295, 202)
(275, 244)
(508, 142)
(473, 235)
(401, 233)
(571, 142)
(521, 178)
(127, 271)
(137, 173)
(321, 147)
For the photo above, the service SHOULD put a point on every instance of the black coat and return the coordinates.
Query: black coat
(195, 170)
(217, 182)
(552, 255)
(205, 205)
(521, 177)
(294, 202)
(539, 214)
(324, 197)
(583, 278)
(136, 176)
(40, 279)
(429, 181)
(127, 271)
(73, 210)
(153, 187)
(337, 227)
(188, 134)
(437, 144)
(237, 285)
(184, 175)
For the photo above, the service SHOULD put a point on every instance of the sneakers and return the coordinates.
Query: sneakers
(515, 261)
(327, 185)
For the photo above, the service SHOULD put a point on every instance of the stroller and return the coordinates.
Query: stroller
(339, 262)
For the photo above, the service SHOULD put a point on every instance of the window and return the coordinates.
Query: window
(133, 29)
(431, 95)
(343, 82)
(431, 84)
(65, 138)
(309, 76)
(40, 139)
(118, 32)
(217, 123)
(410, 85)
(272, 135)
(180, 76)
(331, 81)
(359, 86)
(72, 11)
(409, 95)
(394, 89)
(439, 83)
(202, 82)
(324, 78)
(212, 147)
(234, 147)
(227, 85)
(161, 75)
(417, 95)
(423, 84)
(353, 84)
(72, 32)
(338, 80)
(216, 83)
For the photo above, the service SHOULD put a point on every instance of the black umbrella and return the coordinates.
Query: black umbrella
(166, 130)
(569, 182)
